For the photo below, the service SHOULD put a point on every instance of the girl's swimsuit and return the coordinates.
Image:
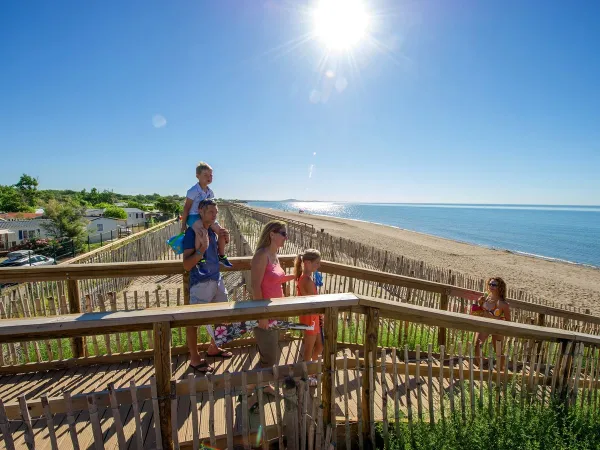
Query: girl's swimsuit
(310, 319)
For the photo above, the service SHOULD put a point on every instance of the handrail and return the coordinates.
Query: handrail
(149, 268)
(439, 318)
(89, 324)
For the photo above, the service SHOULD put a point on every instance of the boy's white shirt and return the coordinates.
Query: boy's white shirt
(196, 194)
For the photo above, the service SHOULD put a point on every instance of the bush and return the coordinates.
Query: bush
(115, 212)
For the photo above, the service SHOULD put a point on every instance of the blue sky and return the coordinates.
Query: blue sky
(447, 101)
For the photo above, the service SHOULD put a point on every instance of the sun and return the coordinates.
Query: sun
(340, 24)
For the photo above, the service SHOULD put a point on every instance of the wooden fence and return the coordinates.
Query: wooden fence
(338, 249)
(526, 309)
(560, 366)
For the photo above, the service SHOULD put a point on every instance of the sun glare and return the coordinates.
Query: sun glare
(340, 24)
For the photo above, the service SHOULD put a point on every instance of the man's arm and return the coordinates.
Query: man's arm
(191, 257)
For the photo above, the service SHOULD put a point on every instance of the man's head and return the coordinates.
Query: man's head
(208, 211)
(204, 173)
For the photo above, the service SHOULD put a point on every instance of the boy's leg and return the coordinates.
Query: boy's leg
(221, 243)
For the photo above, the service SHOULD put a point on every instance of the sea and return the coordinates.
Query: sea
(565, 233)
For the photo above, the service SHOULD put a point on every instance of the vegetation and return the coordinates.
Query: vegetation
(24, 196)
(168, 206)
(521, 425)
(65, 220)
(115, 212)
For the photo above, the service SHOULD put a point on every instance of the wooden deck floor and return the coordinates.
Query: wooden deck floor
(96, 378)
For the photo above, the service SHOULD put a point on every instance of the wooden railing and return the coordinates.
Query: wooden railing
(164, 391)
(338, 278)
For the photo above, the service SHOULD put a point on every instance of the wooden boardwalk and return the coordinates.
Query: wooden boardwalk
(96, 378)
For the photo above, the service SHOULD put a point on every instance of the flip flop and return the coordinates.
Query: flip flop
(202, 368)
(220, 354)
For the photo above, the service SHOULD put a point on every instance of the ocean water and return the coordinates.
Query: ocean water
(567, 233)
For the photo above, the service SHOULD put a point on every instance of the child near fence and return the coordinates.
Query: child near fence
(305, 266)
(194, 196)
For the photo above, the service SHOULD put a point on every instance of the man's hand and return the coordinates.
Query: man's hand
(224, 234)
(202, 241)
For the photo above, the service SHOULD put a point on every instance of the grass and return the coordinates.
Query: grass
(521, 425)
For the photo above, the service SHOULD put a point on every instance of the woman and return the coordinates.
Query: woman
(267, 282)
(495, 306)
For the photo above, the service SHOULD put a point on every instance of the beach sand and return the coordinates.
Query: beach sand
(558, 282)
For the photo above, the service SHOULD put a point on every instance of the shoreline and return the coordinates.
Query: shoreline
(552, 279)
(499, 249)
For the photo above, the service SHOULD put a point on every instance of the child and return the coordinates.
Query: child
(306, 264)
(198, 192)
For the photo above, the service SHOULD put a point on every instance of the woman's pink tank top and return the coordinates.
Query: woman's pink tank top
(271, 285)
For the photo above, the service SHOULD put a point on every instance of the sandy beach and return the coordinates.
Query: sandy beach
(559, 282)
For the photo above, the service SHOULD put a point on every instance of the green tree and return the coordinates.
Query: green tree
(65, 220)
(107, 197)
(27, 186)
(11, 200)
(115, 212)
(138, 205)
(168, 206)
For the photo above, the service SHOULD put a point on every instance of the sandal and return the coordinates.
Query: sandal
(202, 368)
(220, 354)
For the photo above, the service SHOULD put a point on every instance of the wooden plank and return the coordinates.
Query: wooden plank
(49, 422)
(163, 371)
(16, 330)
(5, 428)
(433, 317)
(75, 308)
(368, 389)
(157, 419)
(97, 430)
(329, 352)
(136, 415)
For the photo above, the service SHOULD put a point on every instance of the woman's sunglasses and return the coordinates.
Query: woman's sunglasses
(282, 232)
(493, 283)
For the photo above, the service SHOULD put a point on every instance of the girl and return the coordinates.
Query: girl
(306, 265)
(494, 305)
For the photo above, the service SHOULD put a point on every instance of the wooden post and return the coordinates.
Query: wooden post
(443, 307)
(370, 347)
(567, 351)
(75, 308)
(329, 350)
(542, 320)
(162, 369)
(290, 413)
(186, 288)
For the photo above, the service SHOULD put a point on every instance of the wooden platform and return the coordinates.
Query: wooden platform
(96, 378)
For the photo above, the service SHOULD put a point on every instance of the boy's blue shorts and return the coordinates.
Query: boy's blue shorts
(192, 219)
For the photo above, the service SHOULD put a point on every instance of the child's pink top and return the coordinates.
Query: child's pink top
(271, 285)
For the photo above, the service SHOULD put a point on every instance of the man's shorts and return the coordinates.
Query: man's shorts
(209, 291)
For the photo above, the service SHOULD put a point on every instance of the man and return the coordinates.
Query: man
(201, 260)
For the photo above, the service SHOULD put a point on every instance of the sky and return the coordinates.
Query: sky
(441, 101)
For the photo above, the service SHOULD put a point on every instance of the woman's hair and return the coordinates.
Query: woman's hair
(501, 286)
(274, 226)
(310, 254)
